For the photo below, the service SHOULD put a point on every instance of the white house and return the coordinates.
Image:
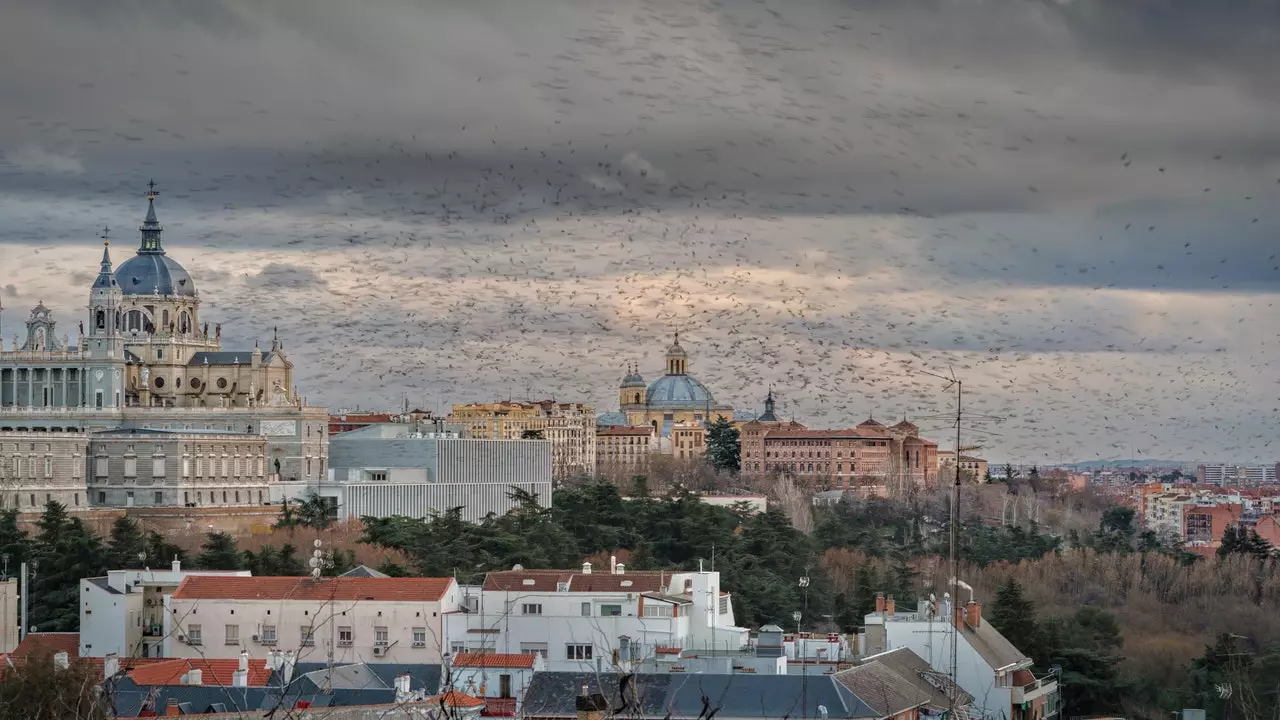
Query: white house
(500, 679)
(988, 666)
(587, 620)
(344, 619)
(123, 613)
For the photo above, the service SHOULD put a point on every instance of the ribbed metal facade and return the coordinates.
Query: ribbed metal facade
(474, 474)
(421, 499)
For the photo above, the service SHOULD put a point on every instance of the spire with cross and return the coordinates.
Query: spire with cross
(151, 228)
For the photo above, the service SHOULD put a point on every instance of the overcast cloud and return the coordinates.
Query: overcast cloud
(1071, 202)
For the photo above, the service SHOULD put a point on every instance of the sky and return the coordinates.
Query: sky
(1070, 204)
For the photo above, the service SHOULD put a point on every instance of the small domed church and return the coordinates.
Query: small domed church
(676, 397)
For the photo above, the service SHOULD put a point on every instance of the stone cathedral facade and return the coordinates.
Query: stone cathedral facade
(230, 422)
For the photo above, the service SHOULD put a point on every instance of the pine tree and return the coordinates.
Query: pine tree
(127, 546)
(14, 543)
(219, 553)
(71, 553)
(865, 586)
(639, 486)
(723, 451)
(160, 551)
(51, 523)
(1015, 617)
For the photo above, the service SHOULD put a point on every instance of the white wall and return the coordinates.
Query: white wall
(487, 682)
(932, 641)
(507, 628)
(324, 617)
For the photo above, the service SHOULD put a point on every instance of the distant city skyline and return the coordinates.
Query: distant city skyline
(462, 203)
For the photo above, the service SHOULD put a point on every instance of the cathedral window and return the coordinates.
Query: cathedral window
(101, 320)
(222, 383)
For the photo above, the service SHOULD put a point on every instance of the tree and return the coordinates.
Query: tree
(64, 552)
(723, 451)
(1237, 539)
(639, 486)
(37, 689)
(1015, 617)
(314, 511)
(127, 545)
(219, 553)
(14, 542)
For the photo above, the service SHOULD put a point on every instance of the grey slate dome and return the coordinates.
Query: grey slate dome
(151, 272)
(678, 391)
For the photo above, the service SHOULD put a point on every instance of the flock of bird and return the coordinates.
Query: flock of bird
(856, 222)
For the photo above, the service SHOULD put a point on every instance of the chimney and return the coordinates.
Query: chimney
(402, 687)
(973, 614)
(61, 661)
(889, 606)
(171, 709)
(620, 569)
(110, 666)
(287, 661)
(586, 568)
(613, 564)
(879, 602)
(195, 677)
(177, 564)
(959, 618)
(591, 706)
(240, 678)
(243, 664)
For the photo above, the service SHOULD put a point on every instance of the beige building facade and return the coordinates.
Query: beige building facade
(134, 467)
(570, 427)
(623, 447)
(37, 467)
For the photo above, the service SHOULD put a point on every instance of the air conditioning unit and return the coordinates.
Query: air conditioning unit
(379, 650)
(631, 596)
(419, 643)
(182, 639)
(257, 639)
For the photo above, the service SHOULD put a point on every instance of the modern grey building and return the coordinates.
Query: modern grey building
(399, 469)
(143, 358)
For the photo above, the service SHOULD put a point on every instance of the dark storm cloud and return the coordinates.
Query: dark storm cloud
(994, 184)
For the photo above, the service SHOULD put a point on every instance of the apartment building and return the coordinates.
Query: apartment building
(624, 447)
(123, 612)
(585, 620)
(570, 427)
(342, 620)
(989, 668)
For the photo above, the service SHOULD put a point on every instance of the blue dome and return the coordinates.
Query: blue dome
(611, 419)
(154, 274)
(678, 392)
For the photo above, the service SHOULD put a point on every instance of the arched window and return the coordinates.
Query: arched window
(100, 320)
(637, 398)
(184, 322)
(164, 320)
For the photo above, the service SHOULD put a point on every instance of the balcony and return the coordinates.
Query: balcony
(1042, 687)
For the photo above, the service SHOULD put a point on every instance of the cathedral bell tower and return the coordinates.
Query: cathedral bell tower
(104, 343)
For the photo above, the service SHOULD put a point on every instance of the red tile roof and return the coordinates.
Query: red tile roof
(599, 581)
(304, 588)
(822, 434)
(215, 672)
(493, 660)
(453, 698)
(40, 643)
(667, 650)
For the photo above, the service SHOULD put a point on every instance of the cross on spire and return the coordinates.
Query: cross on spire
(106, 235)
(151, 189)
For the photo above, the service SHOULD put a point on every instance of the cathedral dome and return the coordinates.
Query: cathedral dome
(151, 274)
(679, 392)
(633, 379)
